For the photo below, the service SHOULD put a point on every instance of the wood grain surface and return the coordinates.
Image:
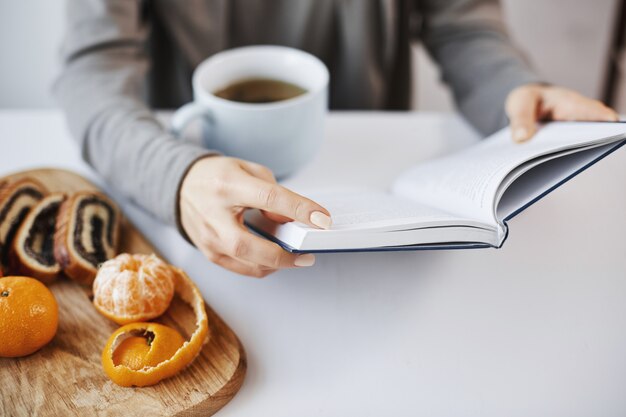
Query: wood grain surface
(65, 378)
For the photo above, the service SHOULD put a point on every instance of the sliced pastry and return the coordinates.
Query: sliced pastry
(86, 235)
(16, 200)
(33, 247)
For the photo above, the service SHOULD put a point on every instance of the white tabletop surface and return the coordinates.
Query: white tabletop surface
(533, 329)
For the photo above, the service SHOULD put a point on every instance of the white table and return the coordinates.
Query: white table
(533, 329)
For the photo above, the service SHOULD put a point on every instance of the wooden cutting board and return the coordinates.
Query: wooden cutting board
(65, 378)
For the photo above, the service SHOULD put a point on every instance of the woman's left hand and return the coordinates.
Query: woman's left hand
(530, 103)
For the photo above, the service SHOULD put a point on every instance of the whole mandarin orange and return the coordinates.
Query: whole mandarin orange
(29, 316)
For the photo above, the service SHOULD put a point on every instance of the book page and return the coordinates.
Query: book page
(534, 183)
(373, 219)
(467, 183)
(360, 209)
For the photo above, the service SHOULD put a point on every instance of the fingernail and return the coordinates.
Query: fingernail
(307, 259)
(321, 220)
(520, 134)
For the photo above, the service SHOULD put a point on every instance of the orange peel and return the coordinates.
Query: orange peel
(185, 355)
(152, 344)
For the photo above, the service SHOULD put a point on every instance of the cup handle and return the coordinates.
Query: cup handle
(185, 115)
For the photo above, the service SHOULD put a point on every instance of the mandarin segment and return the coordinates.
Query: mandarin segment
(29, 316)
(131, 288)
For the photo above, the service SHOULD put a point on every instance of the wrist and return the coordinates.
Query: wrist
(181, 185)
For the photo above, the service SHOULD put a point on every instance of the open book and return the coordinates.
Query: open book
(457, 201)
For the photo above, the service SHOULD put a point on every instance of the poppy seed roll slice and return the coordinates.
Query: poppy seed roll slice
(16, 200)
(33, 247)
(86, 235)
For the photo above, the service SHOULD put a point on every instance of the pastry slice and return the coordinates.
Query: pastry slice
(86, 235)
(33, 246)
(16, 200)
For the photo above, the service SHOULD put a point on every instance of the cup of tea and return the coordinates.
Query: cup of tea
(265, 104)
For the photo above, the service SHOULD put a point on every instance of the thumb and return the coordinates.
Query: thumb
(521, 108)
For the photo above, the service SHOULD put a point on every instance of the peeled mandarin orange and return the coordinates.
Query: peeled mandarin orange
(120, 367)
(132, 288)
(29, 316)
(151, 344)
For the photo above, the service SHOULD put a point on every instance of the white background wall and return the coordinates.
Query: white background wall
(567, 41)
(30, 34)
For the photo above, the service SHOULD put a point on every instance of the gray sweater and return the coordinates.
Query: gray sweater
(123, 57)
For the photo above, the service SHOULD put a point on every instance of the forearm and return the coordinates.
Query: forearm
(477, 59)
(100, 91)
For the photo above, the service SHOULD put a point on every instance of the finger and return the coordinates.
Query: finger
(205, 238)
(274, 198)
(582, 108)
(242, 245)
(522, 108)
(266, 174)
(240, 267)
(207, 242)
(259, 171)
(276, 217)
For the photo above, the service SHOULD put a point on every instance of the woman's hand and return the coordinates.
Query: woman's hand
(528, 104)
(213, 197)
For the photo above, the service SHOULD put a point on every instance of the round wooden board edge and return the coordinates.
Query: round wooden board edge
(222, 397)
(227, 392)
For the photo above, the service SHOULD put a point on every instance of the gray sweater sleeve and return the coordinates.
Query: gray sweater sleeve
(100, 90)
(468, 40)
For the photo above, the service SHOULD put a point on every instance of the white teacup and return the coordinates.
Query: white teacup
(282, 135)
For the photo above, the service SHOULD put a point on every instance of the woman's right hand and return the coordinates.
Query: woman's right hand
(213, 197)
